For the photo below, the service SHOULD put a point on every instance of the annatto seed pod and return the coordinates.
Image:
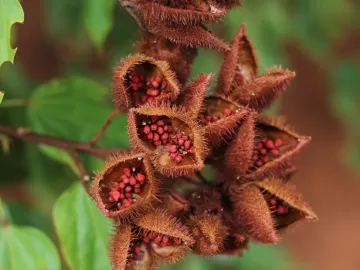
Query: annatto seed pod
(268, 206)
(180, 12)
(167, 239)
(126, 186)
(220, 116)
(119, 246)
(239, 66)
(209, 233)
(140, 79)
(275, 145)
(170, 136)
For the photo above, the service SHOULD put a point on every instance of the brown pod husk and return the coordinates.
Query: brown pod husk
(298, 210)
(228, 116)
(119, 247)
(239, 65)
(253, 212)
(262, 91)
(195, 36)
(209, 232)
(108, 194)
(201, 11)
(180, 58)
(187, 157)
(132, 81)
(277, 157)
(164, 225)
(238, 155)
(192, 98)
(174, 203)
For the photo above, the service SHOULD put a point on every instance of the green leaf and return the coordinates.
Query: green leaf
(98, 19)
(75, 108)
(1, 96)
(27, 248)
(10, 13)
(82, 230)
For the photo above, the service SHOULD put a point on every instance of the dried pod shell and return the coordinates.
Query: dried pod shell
(220, 117)
(261, 92)
(239, 65)
(119, 247)
(180, 151)
(275, 145)
(174, 203)
(209, 232)
(126, 187)
(253, 212)
(298, 209)
(162, 223)
(194, 13)
(140, 79)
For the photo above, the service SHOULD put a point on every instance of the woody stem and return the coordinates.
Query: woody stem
(103, 129)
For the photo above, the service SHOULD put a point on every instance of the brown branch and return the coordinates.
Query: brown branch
(67, 145)
(102, 131)
(84, 175)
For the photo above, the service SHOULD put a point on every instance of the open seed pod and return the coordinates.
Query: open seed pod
(170, 136)
(220, 116)
(140, 79)
(274, 145)
(180, 58)
(262, 91)
(239, 65)
(285, 203)
(167, 239)
(126, 187)
(180, 12)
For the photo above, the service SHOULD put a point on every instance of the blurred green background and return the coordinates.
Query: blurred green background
(59, 84)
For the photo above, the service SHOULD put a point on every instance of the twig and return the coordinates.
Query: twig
(85, 176)
(102, 131)
(70, 146)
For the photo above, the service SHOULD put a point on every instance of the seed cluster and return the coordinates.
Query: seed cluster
(156, 130)
(264, 150)
(276, 205)
(122, 193)
(179, 146)
(207, 119)
(150, 237)
(145, 89)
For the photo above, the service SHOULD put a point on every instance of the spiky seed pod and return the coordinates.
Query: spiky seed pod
(140, 79)
(119, 247)
(169, 240)
(194, 36)
(262, 91)
(180, 12)
(126, 187)
(227, 4)
(192, 98)
(275, 144)
(209, 232)
(177, 56)
(285, 203)
(238, 156)
(170, 136)
(220, 117)
(174, 203)
(239, 65)
(253, 212)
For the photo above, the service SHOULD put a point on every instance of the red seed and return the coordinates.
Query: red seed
(146, 129)
(177, 241)
(165, 136)
(165, 240)
(128, 195)
(255, 157)
(128, 189)
(281, 210)
(156, 143)
(192, 150)
(140, 177)
(178, 158)
(269, 144)
(160, 123)
(263, 151)
(265, 159)
(274, 152)
(264, 140)
(146, 239)
(187, 144)
(126, 180)
(127, 171)
(227, 112)
(273, 201)
(156, 137)
(157, 239)
(259, 146)
(144, 99)
(160, 130)
(121, 185)
(132, 181)
(155, 84)
(137, 249)
(150, 136)
(181, 141)
(259, 163)
(158, 79)
(278, 143)
(153, 127)
(172, 148)
(163, 84)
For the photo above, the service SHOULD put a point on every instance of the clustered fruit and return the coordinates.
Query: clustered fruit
(161, 204)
